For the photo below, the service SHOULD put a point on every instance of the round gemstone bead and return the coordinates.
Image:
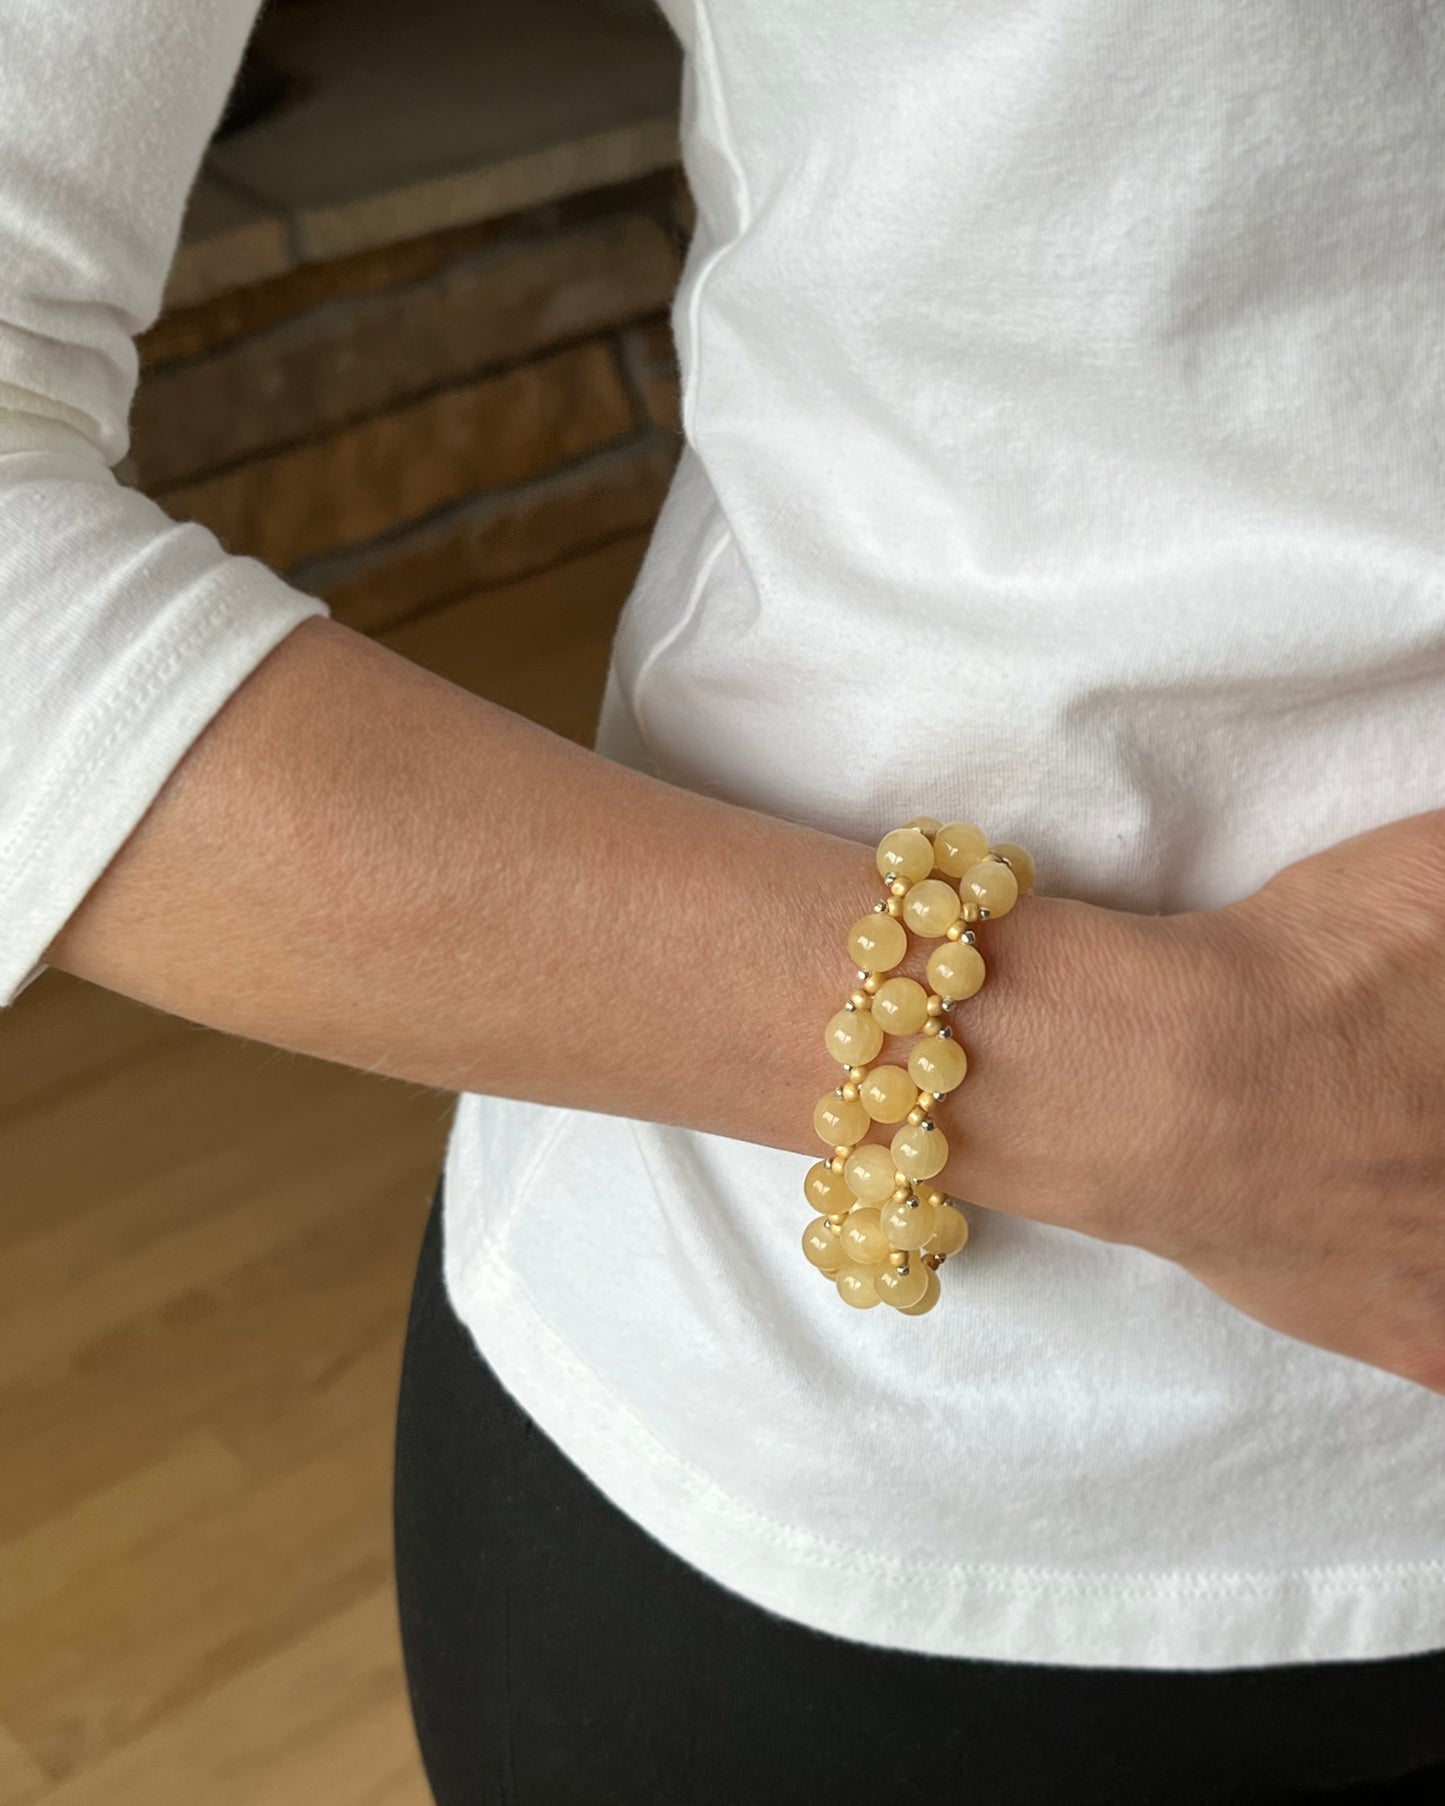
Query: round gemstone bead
(826, 1190)
(919, 1152)
(989, 886)
(862, 1237)
(856, 1287)
(908, 1225)
(902, 1286)
(822, 1247)
(853, 1037)
(930, 907)
(839, 1122)
(957, 847)
(900, 1006)
(950, 1231)
(955, 970)
(937, 1065)
(869, 1172)
(925, 824)
(1022, 863)
(930, 1297)
(905, 853)
(887, 1094)
(876, 942)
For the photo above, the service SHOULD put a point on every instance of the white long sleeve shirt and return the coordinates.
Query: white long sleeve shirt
(1092, 356)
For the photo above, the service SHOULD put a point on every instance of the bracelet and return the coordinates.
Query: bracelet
(882, 1232)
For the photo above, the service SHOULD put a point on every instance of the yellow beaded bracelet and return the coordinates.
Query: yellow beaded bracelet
(882, 1232)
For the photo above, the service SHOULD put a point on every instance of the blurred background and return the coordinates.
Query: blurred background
(415, 354)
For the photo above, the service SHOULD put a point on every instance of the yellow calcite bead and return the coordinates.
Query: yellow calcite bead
(876, 942)
(826, 1190)
(901, 1286)
(937, 1065)
(989, 886)
(925, 824)
(822, 1247)
(869, 1172)
(900, 1006)
(955, 970)
(905, 853)
(853, 1037)
(919, 1152)
(1022, 863)
(907, 1225)
(927, 1301)
(950, 1231)
(887, 1094)
(855, 1286)
(957, 847)
(862, 1237)
(931, 907)
(839, 1122)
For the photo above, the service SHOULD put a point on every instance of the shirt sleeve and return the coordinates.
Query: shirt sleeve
(122, 632)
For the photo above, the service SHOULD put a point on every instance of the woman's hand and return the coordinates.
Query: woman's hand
(1256, 1093)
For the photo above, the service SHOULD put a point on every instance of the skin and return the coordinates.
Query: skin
(360, 861)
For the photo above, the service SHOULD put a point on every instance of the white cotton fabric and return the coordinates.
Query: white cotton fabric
(1086, 359)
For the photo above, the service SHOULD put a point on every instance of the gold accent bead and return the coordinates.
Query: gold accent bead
(871, 983)
(857, 1074)
(836, 1165)
(934, 1005)
(898, 1258)
(970, 912)
(895, 909)
(955, 930)
(933, 1026)
(902, 1194)
(848, 1092)
(901, 1179)
(935, 1261)
(835, 1223)
(937, 1199)
(861, 1000)
(897, 887)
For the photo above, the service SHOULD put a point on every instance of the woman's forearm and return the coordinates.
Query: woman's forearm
(361, 861)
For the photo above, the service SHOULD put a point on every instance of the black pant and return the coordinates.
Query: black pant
(557, 1655)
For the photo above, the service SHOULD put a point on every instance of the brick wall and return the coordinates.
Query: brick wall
(460, 441)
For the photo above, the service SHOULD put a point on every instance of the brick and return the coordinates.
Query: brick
(339, 363)
(391, 470)
(651, 360)
(496, 539)
(192, 331)
(541, 646)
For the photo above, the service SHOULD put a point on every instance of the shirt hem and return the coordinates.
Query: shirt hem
(1178, 1620)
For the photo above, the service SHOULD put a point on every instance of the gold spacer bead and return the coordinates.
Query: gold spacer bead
(871, 983)
(836, 1165)
(933, 1026)
(972, 913)
(898, 1259)
(934, 1260)
(901, 1195)
(844, 1150)
(860, 1000)
(937, 1199)
(894, 907)
(935, 1004)
(836, 1223)
(902, 1179)
(954, 931)
(898, 887)
(856, 1074)
(928, 1100)
(849, 1091)
(915, 1116)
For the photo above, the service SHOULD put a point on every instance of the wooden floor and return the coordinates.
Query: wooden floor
(206, 1248)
